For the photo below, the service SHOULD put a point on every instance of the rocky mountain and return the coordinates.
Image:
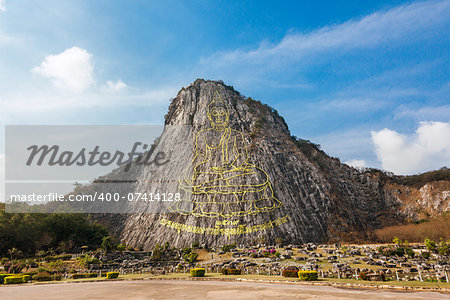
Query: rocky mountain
(242, 178)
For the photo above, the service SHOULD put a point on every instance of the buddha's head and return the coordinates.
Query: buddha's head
(218, 112)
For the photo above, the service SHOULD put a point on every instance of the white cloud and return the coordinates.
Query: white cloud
(58, 107)
(71, 69)
(436, 112)
(114, 86)
(2, 5)
(348, 144)
(427, 149)
(356, 163)
(372, 30)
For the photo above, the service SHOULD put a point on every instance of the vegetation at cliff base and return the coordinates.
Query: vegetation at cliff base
(27, 233)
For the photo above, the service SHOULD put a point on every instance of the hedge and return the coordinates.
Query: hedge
(198, 272)
(112, 275)
(290, 273)
(13, 280)
(85, 275)
(2, 277)
(26, 278)
(231, 272)
(308, 275)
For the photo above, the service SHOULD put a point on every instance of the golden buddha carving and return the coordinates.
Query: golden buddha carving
(220, 182)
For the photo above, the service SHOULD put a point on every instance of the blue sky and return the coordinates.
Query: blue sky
(368, 80)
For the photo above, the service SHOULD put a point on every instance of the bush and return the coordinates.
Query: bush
(13, 280)
(426, 255)
(64, 257)
(26, 278)
(2, 277)
(231, 272)
(291, 271)
(42, 276)
(112, 275)
(198, 272)
(410, 252)
(191, 257)
(308, 275)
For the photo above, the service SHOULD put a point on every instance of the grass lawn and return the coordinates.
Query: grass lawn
(269, 278)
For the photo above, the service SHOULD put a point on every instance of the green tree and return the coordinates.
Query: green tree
(107, 244)
(14, 253)
(430, 244)
(444, 248)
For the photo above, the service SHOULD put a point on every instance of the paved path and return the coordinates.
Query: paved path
(181, 289)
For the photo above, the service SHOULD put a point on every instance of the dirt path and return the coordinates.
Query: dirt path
(181, 289)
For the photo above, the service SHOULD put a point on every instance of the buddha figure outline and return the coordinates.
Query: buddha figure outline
(220, 182)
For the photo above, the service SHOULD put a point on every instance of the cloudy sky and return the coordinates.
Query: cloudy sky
(368, 80)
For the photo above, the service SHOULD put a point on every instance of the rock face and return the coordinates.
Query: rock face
(242, 178)
(421, 203)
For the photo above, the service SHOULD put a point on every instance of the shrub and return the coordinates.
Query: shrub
(2, 277)
(291, 271)
(231, 272)
(426, 255)
(198, 272)
(308, 275)
(16, 268)
(363, 276)
(77, 276)
(228, 248)
(112, 275)
(57, 277)
(42, 276)
(121, 247)
(87, 260)
(372, 276)
(26, 278)
(191, 257)
(13, 280)
(42, 269)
